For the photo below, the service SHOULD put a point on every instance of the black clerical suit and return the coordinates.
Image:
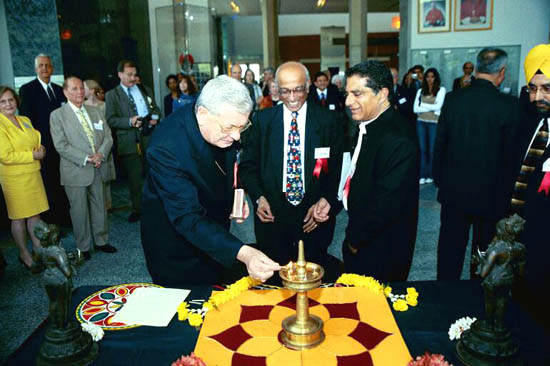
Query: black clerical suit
(37, 105)
(261, 172)
(187, 200)
(473, 168)
(383, 200)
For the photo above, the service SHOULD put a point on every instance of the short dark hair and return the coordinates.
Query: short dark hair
(491, 60)
(318, 74)
(378, 75)
(270, 69)
(4, 89)
(66, 81)
(125, 63)
(418, 67)
(171, 76)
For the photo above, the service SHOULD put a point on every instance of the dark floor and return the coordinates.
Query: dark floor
(23, 301)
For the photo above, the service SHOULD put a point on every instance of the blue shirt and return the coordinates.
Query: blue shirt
(141, 103)
(183, 99)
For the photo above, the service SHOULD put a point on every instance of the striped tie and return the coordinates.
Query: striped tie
(536, 150)
(87, 130)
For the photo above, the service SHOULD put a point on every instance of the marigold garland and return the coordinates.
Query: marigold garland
(195, 316)
(399, 302)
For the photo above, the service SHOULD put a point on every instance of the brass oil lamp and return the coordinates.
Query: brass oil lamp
(303, 330)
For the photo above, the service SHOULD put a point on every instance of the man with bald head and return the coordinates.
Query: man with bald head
(466, 79)
(236, 73)
(290, 166)
(83, 140)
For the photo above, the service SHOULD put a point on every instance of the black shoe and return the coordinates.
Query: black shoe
(107, 248)
(86, 255)
(134, 216)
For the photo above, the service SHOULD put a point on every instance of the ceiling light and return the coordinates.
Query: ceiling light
(321, 3)
(234, 7)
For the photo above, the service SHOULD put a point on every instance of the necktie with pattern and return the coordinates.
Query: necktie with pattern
(294, 184)
(87, 130)
(323, 99)
(132, 100)
(536, 150)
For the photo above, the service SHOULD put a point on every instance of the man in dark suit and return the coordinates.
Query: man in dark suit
(473, 162)
(38, 99)
(290, 167)
(131, 110)
(403, 99)
(187, 197)
(531, 197)
(323, 95)
(466, 79)
(381, 185)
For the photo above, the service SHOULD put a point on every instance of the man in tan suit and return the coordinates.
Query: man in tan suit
(83, 140)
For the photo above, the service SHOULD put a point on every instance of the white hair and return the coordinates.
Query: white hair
(41, 55)
(224, 90)
(337, 77)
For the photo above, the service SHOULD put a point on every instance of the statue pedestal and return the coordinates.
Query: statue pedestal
(67, 347)
(483, 346)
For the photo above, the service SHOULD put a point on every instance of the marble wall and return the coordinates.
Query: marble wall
(32, 29)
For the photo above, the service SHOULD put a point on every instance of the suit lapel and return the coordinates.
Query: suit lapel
(313, 140)
(277, 141)
(93, 118)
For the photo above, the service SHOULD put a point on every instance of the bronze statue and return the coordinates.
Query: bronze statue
(65, 343)
(488, 342)
(500, 267)
(58, 274)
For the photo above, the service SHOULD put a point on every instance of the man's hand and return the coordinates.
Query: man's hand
(322, 208)
(136, 122)
(153, 122)
(259, 265)
(96, 159)
(246, 212)
(264, 210)
(309, 221)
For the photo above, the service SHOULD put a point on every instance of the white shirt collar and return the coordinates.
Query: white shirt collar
(75, 108)
(44, 85)
(322, 92)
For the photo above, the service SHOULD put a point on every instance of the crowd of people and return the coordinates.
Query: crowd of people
(310, 147)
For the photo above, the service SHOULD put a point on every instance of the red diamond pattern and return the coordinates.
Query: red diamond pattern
(232, 338)
(368, 335)
(257, 312)
(348, 310)
(361, 359)
(291, 302)
(240, 359)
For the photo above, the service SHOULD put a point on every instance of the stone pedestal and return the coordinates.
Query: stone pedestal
(67, 347)
(483, 346)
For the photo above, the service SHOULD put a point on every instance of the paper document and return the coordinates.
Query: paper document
(151, 306)
(346, 164)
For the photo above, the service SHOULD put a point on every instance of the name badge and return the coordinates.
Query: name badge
(332, 107)
(546, 166)
(98, 126)
(26, 125)
(402, 100)
(322, 152)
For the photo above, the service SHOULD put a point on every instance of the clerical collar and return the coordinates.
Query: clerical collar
(364, 123)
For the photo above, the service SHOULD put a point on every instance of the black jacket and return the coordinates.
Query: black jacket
(383, 195)
(186, 205)
(261, 167)
(474, 150)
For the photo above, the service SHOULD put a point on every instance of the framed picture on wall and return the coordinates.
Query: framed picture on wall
(473, 15)
(434, 16)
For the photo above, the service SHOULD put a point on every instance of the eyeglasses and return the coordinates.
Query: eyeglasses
(532, 89)
(229, 129)
(298, 91)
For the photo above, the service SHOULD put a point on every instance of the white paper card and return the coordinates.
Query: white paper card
(322, 153)
(151, 306)
(332, 107)
(546, 166)
(402, 100)
(346, 164)
(98, 126)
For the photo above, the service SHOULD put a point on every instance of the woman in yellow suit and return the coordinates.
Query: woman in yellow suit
(20, 155)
